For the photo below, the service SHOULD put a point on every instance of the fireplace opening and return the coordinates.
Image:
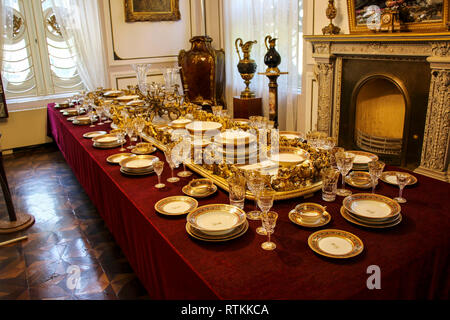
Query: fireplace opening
(381, 104)
(383, 107)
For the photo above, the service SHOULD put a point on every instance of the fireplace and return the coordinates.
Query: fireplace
(383, 108)
(387, 94)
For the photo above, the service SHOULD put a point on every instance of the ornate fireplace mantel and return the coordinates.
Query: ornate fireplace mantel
(329, 52)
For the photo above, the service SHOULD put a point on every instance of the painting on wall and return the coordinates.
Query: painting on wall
(3, 108)
(152, 10)
(414, 15)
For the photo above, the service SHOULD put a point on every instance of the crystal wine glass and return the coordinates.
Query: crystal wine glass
(255, 185)
(92, 118)
(184, 154)
(402, 181)
(269, 220)
(139, 125)
(265, 203)
(158, 166)
(121, 134)
(171, 161)
(375, 169)
(99, 110)
(344, 161)
(130, 132)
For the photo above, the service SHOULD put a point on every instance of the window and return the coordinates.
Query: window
(36, 59)
(300, 43)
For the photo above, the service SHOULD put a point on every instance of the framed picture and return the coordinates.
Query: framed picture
(413, 15)
(152, 10)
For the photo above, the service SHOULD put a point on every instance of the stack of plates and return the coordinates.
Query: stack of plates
(127, 98)
(237, 146)
(138, 165)
(359, 179)
(106, 141)
(203, 128)
(113, 93)
(362, 160)
(216, 222)
(179, 123)
(371, 210)
(71, 111)
(93, 134)
(81, 120)
(289, 156)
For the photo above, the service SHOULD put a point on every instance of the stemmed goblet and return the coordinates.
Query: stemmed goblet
(99, 110)
(255, 184)
(402, 181)
(265, 203)
(139, 125)
(158, 166)
(184, 154)
(171, 160)
(92, 118)
(375, 169)
(344, 161)
(130, 132)
(269, 220)
(121, 134)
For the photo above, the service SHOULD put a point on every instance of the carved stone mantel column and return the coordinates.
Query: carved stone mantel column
(435, 152)
(324, 73)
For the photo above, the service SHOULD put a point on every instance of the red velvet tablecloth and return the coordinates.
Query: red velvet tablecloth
(413, 257)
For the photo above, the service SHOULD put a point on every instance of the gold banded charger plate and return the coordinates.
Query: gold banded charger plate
(371, 206)
(216, 219)
(199, 188)
(295, 218)
(176, 205)
(347, 216)
(334, 243)
(291, 135)
(359, 179)
(138, 165)
(93, 134)
(390, 177)
(116, 158)
(235, 233)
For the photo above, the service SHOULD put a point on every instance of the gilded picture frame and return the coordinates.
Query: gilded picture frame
(415, 16)
(3, 106)
(152, 10)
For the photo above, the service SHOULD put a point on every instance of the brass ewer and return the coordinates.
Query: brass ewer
(246, 66)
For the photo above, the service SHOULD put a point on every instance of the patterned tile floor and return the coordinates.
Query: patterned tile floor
(68, 232)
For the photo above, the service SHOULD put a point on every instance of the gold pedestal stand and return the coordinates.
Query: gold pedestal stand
(273, 94)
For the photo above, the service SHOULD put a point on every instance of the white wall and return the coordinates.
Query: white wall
(157, 43)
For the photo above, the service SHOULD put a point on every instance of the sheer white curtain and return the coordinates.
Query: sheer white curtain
(6, 29)
(79, 21)
(253, 20)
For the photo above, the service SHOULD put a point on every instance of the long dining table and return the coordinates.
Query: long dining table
(413, 257)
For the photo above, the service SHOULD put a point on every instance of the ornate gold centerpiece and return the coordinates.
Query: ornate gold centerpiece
(297, 168)
(246, 66)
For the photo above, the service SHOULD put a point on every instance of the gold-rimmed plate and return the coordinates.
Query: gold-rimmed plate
(116, 158)
(62, 105)
(295, 218)
(143, 150)
(216, 219)
(390, 177)
(289, 156)
(107, 146)
(362, 158)
(359, 179)
(176, 205)
(93, 134)
(333, 243)
(127, 98)
(291, 135)
(371, 206)
(138, 163)
(204, 237)
(106, 139)
(113, 93)
(199, 193)
(136, 173)
(347, 216)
